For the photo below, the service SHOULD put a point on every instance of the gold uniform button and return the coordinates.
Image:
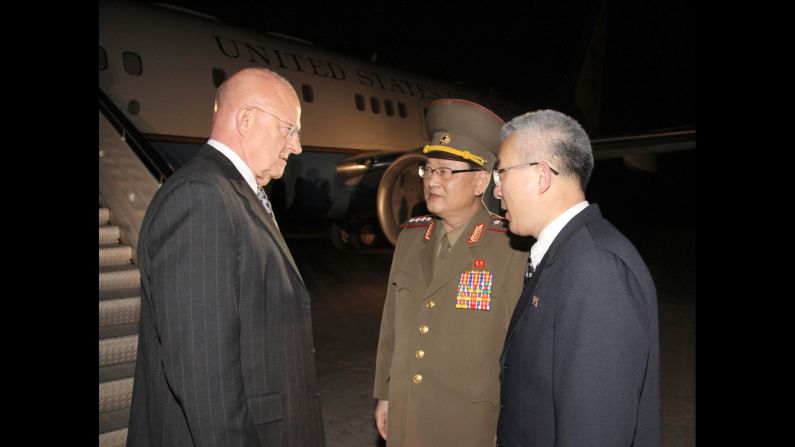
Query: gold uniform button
(419, 354)
(430, 305)
(424, 329)
(417, 378)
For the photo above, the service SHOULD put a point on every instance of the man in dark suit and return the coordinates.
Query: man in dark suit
(225, 354)
(580, 363)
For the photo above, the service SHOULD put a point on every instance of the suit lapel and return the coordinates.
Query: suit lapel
(588, 214)
(229, 172)
(258, 210)
(521, 307)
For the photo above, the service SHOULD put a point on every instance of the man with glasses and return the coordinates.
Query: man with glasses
(454, 281)
(226, 355)
(581, 361)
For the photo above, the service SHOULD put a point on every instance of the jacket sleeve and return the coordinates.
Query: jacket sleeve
(514, 283)
(194, 280)
(386, 338)
(601, 351)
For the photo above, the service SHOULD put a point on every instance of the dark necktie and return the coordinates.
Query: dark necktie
(266, 203)
(528, 273)
(445, 247)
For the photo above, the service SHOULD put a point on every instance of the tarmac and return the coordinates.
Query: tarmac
(656, 211)
(348, 290)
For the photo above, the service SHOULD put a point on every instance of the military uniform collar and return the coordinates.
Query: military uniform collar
(463, 252)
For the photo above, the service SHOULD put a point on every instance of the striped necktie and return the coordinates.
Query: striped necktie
(528, 273)
(266, 203)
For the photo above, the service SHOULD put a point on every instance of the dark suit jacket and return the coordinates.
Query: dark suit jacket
(225, 352)
(581, 360)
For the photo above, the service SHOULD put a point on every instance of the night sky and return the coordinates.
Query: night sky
(531, 54)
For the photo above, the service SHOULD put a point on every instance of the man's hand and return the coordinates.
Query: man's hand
(381, 411)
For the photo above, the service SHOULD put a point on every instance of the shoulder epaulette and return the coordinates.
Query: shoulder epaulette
(497, 223)
(418, 221)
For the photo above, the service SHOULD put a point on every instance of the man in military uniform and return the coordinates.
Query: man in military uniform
(455, 279)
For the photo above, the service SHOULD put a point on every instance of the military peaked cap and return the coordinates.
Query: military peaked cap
(462, 130)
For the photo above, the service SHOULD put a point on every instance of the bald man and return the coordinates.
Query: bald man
(225, 352)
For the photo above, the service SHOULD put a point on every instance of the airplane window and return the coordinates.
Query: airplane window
(133, 107)
(375, 105)
(103, 59)
(219, 76)
(132, 63)
(388, 107)
(402, 110)
(309, 94)
(359, 102)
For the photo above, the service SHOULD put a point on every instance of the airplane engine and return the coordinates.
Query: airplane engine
(400, 194)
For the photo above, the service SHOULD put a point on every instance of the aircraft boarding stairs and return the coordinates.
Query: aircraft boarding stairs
(119, 314)
(126, 187)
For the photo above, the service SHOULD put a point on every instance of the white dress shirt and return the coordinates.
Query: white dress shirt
(550, 232)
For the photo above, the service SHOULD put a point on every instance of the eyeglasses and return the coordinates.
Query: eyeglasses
(443, 173)
(497, 173)
(292, 129)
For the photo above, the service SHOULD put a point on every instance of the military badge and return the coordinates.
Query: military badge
(474, 290)
(498, 225)
(476, 234)
(479, 264)
(445, 138)
(418, 221)
(429, 231)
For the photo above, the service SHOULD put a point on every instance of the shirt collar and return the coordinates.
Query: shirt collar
(550, 232)
(241, 165)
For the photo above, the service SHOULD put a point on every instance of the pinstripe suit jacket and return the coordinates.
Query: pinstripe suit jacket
(225, 353)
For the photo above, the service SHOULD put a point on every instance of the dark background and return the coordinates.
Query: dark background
(531, 52)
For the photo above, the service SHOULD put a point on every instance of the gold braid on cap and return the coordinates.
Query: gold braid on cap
(466, 155)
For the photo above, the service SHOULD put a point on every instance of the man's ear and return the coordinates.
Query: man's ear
(482, 180)
(244, 119)
(544, 177)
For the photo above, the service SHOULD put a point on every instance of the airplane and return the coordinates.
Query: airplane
(363, 123)
(362, 131)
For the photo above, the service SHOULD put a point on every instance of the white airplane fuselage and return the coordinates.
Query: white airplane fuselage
(162, 65)
(180, 54)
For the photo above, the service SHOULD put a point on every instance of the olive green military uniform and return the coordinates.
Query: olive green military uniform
(439, 348)
(447, 311)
